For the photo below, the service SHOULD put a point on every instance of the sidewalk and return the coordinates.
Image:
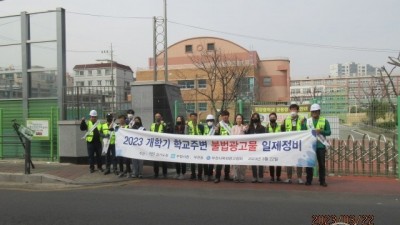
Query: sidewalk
(72, 174)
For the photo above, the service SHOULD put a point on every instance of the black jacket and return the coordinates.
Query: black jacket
(258, 130)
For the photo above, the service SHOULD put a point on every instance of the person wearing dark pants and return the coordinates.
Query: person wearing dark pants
(209, 130)
(223, 128)
(193, 128)
(321, 127)
(274, 127)
(93, 140)
(108, 132)
(256, 127)
(180, 128)
(159, 127)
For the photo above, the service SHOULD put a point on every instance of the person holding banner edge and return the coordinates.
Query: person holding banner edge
(321, 127)
(294, 122)
(120, 159)
(223, 128)
(274, 127)
(160, 127)
(256, 127)
(93, 139)
(195, 129)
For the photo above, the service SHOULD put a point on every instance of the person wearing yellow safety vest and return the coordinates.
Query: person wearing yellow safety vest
(160, 127)
(223, 128)
(107, 130)
(321, 127)
(180, 128)
(209, 130)
(193, 128)
(274, 127)
(294, 122)
(93, 140)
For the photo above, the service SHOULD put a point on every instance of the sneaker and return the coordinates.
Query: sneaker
(101, 169)
(324, 184)
(192, 178)
(133, 176)
(217, 180)
(140, 176)
(200, 178)
(177, 176)
(122, 174)
(227, 178)
(260, 180)
(300, 181)
(278, 179)
(272, 180)
(91, 170)
(181, 177)
(288, 181)
(107, 172)
(205, 178)
(128, 175)
(254, 180)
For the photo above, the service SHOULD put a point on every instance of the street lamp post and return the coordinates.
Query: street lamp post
(111, 52)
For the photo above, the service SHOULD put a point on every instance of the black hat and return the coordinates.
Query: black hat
(109, 116)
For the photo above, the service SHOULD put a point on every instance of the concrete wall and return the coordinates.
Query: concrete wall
(72, 147)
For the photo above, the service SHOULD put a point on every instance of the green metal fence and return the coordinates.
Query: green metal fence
(10, 145)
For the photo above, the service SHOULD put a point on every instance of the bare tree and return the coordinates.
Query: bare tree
(387, 80)
(224, 75)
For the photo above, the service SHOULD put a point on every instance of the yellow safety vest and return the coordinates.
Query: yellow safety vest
(288, 123)
(277, 128)
(160, 128)
(89, 138)
(194, 130)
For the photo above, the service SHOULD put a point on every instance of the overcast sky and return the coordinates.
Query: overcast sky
(371, 24)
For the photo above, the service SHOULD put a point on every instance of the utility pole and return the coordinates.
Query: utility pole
(111, 52)
(165, 43)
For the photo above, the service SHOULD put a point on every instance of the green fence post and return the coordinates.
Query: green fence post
(240, 104)
(1, 134)
(176, 111)
(51, 134)
(398, 137)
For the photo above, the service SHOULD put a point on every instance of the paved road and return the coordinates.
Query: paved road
(184, 202)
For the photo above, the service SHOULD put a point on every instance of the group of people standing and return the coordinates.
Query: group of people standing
(205, 172)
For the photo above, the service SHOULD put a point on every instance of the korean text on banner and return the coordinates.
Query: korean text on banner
(279, 149)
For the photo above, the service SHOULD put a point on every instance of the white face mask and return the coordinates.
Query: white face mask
(293, 114)
(210, 123)
(130, 116)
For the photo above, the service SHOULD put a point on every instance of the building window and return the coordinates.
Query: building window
(267, 81)
(81, 73)
(188, 48)
(202, 106)
(201, 83)
(186, 84)
(210, 47)
(99, 83)
(89, 72)
(189, 107)
(90, 83)
(98, 72)
(80, 83)
(107, 72)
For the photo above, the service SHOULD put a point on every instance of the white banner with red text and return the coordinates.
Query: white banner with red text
(271, 149)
